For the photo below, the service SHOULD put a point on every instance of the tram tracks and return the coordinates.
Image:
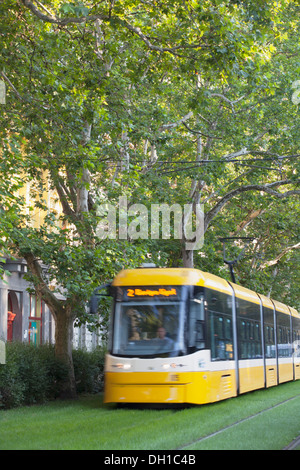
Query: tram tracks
(293, 445)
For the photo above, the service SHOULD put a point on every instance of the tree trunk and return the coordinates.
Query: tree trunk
(62, 314)
(63, 350)
(187, 258)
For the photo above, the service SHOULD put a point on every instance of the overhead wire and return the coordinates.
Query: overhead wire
(274, 158)
(198, 164)
(167, 166)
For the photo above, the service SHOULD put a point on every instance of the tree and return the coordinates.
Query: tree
(107, 99)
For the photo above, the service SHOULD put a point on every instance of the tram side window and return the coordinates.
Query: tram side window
(249, 329)
(269, 333)
(284, 345)
(296, 337)
(220, 329)
(250, 339)
(196, 339)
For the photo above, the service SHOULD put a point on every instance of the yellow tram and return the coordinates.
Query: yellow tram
(181, 335)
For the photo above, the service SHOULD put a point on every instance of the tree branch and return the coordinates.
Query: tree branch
(62, 193)
(177, 123)
(201, 133)
(227, 100)
(12, 86)
(268, 188)
(88, 18)
(151, 46)
(250, 217)
(278, 258)
(40, 285)
(61, 21)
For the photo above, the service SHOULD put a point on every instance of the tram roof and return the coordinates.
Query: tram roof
(192, 277)
(266, 301)
(279, 307)
(246, 294)
(170, 276)
(294, 312)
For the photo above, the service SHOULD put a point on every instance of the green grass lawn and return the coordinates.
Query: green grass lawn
(88, 424)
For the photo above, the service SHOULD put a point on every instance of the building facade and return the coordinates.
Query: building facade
(24, 317)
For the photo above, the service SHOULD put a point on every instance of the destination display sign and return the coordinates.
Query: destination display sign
(150, 292)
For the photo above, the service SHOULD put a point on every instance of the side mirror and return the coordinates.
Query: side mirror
(94, 301)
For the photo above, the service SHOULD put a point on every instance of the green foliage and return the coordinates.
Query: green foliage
(89, 370)
(108, 99)
(33, 374)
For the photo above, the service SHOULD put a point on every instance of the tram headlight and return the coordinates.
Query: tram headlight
(122, 366)
(167, 366)
(173, 365)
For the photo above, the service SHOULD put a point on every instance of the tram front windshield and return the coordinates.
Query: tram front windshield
(148, 328)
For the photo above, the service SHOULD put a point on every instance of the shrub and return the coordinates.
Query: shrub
(11, 388)
(33, 374)
(89, 370)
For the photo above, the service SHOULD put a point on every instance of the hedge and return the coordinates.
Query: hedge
(33, 374)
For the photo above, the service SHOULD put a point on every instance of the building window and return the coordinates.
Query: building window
(14, 316)
(35, 321)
